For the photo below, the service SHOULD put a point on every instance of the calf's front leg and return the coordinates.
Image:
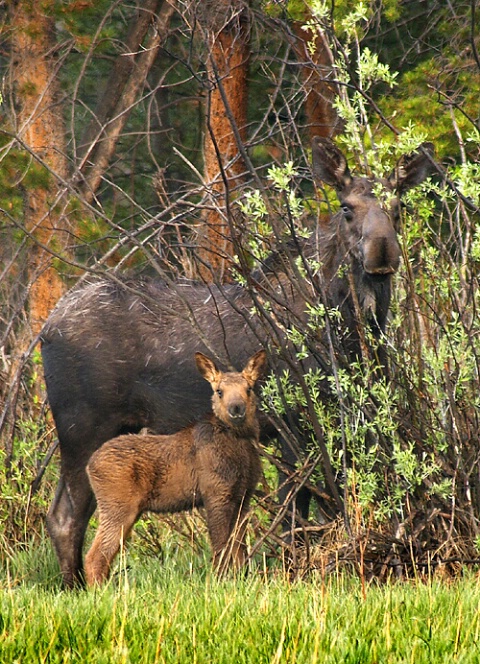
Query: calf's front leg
(226, 526)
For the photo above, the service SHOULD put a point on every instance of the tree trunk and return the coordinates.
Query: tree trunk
(226, 127)
(40, 125)
(319, 81)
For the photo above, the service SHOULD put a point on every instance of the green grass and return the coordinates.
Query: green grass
(178, 611)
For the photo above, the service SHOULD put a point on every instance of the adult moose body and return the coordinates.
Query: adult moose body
(118, 355)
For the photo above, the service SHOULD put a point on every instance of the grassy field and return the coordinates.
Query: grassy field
(177, 611)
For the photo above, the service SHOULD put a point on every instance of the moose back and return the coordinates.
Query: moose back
(118, 354)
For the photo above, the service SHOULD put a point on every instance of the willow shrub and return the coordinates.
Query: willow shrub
(402, 441)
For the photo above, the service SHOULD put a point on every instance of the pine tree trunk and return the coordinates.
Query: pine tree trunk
(319, 81)
(40, 126)
(226, 125)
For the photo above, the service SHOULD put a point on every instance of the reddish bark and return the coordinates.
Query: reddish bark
(41, 128)
(319, 82)
(226, 124)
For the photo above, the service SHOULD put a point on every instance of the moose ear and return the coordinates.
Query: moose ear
(206, 367)
(329, 164)
(413, 169)
(255, 366)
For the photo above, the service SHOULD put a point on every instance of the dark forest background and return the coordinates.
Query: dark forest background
(158, 137)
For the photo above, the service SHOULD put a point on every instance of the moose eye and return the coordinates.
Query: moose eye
(347, 212)
(220, 393)
(249, 391)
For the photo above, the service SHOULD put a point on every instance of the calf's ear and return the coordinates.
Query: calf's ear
(413, 169)
(255, 366)
(206, 367)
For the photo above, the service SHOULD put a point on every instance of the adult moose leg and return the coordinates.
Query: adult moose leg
(74, 502)
(290, 494)
(67, 521)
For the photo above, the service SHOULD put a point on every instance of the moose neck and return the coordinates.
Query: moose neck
(371, 294)
(361, 297)
(247, 431)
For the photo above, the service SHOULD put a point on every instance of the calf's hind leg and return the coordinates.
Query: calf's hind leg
(114, 529)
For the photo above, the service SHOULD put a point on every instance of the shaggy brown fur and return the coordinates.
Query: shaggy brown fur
(214, 463)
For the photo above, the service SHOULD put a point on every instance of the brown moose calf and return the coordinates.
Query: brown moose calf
(214, 463)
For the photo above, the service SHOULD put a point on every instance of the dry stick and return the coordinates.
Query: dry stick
(236, 133)
(120, 74)
(12, 398)
(85, 62)
(126, 235)
(272, 97)
(112, 128)
(35, 485)
(285, 507)
(473, 26)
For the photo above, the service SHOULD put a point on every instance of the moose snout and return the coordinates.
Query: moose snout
(237, 411)
(381, 251)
